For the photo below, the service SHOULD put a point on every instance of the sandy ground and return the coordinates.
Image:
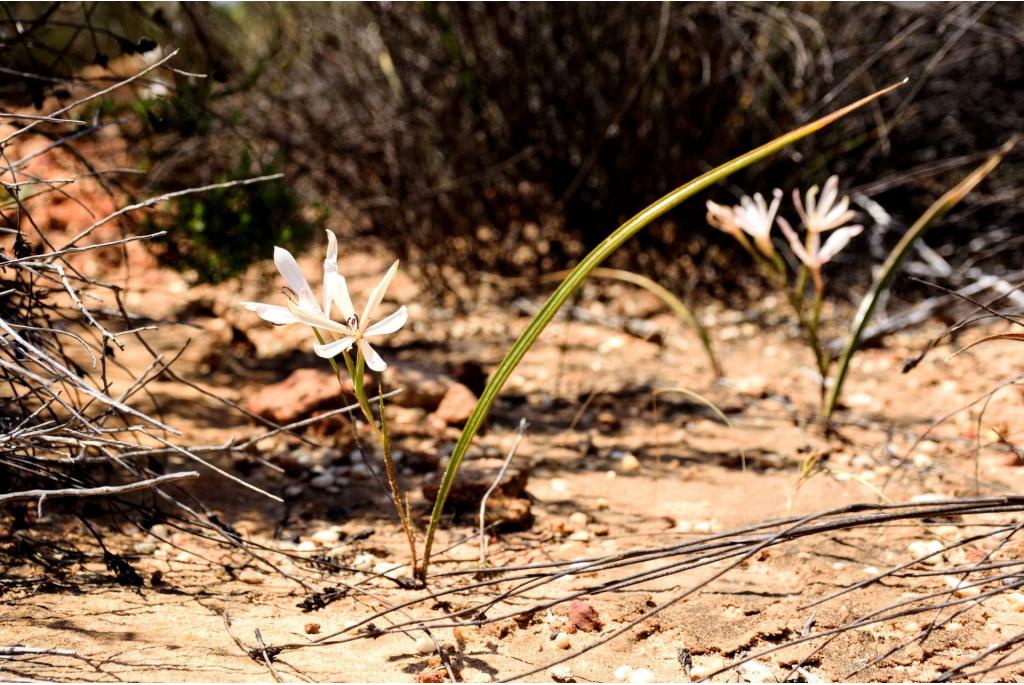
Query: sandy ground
(587, 392)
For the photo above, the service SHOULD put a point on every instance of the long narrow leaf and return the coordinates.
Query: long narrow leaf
(892, 263)
(580, 273)
(678, 307)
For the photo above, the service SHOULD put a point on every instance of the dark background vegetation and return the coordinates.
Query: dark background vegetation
(510, 138)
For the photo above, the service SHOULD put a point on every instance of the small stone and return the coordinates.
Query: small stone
(294, 490)
(424, 645)
(145, 547)
(562, 641)
(860, 400)
(1016, 600)
(364, 562)
(629, 464)
(306, 546)
(622, 673)
(561, 673)
(580, 536)
(922, 460)
(326, 537)
(457, 405)
(926, 548)
(611, 344)
(579, 520)
(754, 672)
(360, 471)
(323, 481)
(641, 675)
(312, 628)
(929, 447)
(299, 396)
(159, 531)
(608, 420)
(705, 666)
(961, 588)
(560, 485)
(251, 577)
(435, 425)
(928, 498)
(387, 568)
(584, 617)
(755, 386)
(475, 478)
(808, 676)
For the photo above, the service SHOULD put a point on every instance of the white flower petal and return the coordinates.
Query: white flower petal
(336, 292)
(333, 349)
(828, 195)
(812, 206)
(377, 294)
(330, 267)
(836, 242)
(290, 270)
(794, 242)
(273, 313)
(331, 260)
(773, 209)
(799, 204)
(721, 217)
(389, 324)
(318, 320)
(373, 359)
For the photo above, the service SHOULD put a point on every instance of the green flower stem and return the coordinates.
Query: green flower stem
(562, 293)
(384, 437)
(356, 372)
(814, 334)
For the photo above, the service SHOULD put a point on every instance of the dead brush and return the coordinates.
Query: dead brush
(943, 589)
(72, 435)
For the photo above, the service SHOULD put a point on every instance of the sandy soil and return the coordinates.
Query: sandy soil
(587, 392)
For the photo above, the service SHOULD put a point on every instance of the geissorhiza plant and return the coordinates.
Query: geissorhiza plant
(339, 337)
(829, 213)
(753, 217)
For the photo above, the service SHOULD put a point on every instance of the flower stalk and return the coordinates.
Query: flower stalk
(334, 338)
(827, 213)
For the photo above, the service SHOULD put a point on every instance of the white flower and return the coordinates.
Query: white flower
(303, 307)
(813, 254)
(754, 217)
(824, 213)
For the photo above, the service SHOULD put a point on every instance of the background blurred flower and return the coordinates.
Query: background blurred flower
(754, 217)
(824, 213)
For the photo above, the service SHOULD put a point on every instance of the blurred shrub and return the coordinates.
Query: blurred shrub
(218, 233)
(511, 137)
